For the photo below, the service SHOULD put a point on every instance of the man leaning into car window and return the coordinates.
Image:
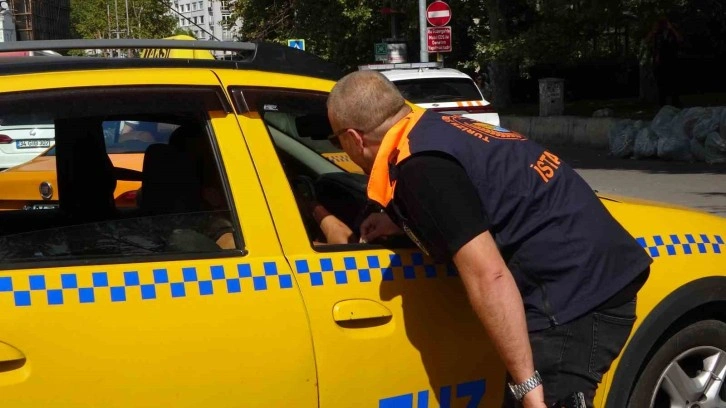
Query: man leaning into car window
(552, 276)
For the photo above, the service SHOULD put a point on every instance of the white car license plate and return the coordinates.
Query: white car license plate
(24, 144)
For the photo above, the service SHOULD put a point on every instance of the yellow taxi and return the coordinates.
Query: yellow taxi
(106, 305)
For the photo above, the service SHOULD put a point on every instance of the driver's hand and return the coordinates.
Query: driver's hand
(378, 225)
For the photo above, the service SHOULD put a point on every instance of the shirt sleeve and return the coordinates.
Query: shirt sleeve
(440, 203)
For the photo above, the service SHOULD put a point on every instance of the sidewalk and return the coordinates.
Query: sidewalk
(579, 128)
(696, 185)
(562, 130)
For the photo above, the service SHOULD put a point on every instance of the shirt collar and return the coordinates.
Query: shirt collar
(393, 149)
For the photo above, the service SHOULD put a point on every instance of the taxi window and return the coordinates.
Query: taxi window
(131, 136)
(298, 126)
(130, 174)
(432, 90)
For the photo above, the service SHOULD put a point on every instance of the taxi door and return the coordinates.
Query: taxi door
(188, 330)
(390, 329)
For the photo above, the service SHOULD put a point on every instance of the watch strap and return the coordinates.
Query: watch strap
(521, 389)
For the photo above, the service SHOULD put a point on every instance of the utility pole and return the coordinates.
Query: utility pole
(128, 28)
(117, 27)
(424, 52)
(108, 53)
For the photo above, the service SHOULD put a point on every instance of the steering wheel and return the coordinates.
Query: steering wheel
(303, 187)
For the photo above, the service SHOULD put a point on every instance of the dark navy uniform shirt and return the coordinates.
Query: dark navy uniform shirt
(566, 252)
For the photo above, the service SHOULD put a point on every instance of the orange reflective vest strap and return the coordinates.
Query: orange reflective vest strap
(394, 149)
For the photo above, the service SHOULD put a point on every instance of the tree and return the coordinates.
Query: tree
(342, 31)
(107, 19)
(515, 39)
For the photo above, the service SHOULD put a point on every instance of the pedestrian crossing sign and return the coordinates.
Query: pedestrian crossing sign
(298, 44)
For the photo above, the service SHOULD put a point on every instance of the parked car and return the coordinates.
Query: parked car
(105, 305)
(22, 139)
(444, 90)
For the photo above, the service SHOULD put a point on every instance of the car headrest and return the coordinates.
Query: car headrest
(186, 136)
(313, 126)
(169, 183)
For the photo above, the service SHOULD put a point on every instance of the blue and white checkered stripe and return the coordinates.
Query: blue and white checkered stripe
(373, 268)
(682, 244)
(132, 285)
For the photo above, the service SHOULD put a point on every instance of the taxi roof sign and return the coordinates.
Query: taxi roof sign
(176, 53)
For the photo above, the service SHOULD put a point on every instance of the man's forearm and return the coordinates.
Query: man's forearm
(496, 300)
(499, 307)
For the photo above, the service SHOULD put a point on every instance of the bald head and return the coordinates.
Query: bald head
(363, 100)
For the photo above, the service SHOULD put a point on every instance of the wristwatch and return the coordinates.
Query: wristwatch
(521, 389)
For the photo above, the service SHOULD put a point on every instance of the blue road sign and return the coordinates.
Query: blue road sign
(299, 44)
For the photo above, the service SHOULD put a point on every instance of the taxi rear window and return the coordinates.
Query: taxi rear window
(87, 203)
(131, 136)
(431, 90)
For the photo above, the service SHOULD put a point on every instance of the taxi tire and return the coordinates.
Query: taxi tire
(703, 333)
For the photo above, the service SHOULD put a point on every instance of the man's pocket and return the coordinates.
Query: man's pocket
(610, 329)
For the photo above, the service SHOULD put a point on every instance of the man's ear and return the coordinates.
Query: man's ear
(359, 139)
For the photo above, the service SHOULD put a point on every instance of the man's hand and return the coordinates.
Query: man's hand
(378, 225)
(335, 230)
(534, 398)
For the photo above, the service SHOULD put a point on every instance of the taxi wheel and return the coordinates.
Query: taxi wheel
(687, 371)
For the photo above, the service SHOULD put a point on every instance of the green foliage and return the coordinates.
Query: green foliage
(344, 31)
(98, 19)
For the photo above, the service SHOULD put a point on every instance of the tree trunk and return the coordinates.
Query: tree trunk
(499, 70)
(647, 87)
(499, 77)
(648, 91)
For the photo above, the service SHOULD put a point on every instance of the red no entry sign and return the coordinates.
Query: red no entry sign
(438, 13)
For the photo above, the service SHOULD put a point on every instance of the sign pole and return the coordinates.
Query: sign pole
(422, 31)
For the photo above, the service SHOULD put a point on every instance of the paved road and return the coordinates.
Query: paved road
(697, 185)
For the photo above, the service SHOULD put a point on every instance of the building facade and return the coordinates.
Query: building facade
(206, 19)
(41, 19)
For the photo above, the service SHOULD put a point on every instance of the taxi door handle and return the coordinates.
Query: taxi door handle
(359, 309)
(9, 353)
